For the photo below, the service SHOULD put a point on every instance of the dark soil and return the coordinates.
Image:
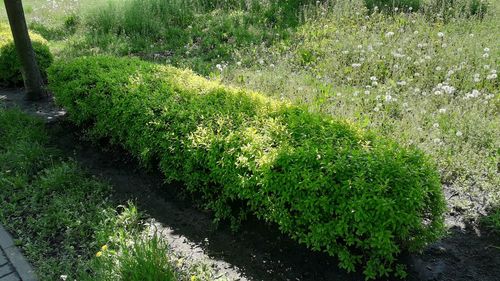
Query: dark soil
(258, 251)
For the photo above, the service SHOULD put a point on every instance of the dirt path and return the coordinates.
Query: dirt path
(257, 251)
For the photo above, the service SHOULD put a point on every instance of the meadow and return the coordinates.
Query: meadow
(423, 75)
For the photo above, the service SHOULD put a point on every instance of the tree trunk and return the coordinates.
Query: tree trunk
(33, 81)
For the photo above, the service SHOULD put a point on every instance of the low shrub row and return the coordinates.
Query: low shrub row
(10, 66)
(324, 182)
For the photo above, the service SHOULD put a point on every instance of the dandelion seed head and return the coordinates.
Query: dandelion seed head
(491, 76)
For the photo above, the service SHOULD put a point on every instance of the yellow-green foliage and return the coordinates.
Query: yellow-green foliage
(10, 66)
(323, 181)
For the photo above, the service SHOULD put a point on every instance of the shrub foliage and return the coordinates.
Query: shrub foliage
(323, 181)
(10, 66)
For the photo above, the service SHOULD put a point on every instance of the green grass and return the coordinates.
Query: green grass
(63, 219)
(492, 220)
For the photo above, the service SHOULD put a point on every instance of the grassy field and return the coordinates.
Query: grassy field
(426, 79)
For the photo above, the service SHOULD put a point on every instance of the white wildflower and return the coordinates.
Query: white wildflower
(440, 34)
(459, 134)
(449, 89)
(491, 76)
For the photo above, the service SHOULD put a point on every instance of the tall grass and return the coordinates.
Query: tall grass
(196, 34)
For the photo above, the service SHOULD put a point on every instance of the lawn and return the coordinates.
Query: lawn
(425, 77)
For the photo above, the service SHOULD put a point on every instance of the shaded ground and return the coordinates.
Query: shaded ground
(257, 251)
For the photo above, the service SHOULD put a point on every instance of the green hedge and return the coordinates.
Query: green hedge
(10, 66)
(323, 181)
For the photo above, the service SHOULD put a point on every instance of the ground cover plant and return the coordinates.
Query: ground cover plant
(63, 218)
(323, 181)
(10, 66)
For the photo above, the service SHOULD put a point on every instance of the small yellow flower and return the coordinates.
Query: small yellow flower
(98, 254)
(104, 248)
(193, 278)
